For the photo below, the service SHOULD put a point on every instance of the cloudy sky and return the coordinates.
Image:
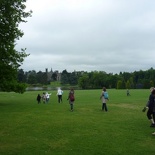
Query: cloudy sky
(89, 35)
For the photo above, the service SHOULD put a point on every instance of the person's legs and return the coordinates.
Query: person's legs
(106, 109)
(59, 98)
(103, 106)
(153, 125)
(47, 100)
(149, 116)
(71, 106)
(153, 117)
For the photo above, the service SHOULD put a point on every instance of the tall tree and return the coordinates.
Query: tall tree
(32, 77)
(73, 79)
(83, 81)
(12, 13)
(21, 76)
(64, 77)
(119, 84)
(54, 76)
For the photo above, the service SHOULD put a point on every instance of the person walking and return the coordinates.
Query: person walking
(44, 98)
(149, 106)
(47, 97)
(39, 98)
(59, 94)
(104, 97)
(71, 98)
(127, 92)
(152, 104)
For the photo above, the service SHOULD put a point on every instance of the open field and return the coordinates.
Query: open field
(27, 128)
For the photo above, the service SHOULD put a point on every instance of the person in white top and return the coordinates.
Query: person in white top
(47, 97)
(59, 94)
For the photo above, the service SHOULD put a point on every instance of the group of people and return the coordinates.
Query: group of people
(46, 96)
(150, 106)
(71, 97)
(104, 97)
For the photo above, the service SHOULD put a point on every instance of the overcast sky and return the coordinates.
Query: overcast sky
(89, 35)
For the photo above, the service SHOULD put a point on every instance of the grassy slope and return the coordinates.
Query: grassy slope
(29, 128)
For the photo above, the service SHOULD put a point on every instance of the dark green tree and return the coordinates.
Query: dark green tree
(99, 79)
(21, 76)
(128, 85)
(44, 78)
(151, 83)
(64, 77)
(83, 81)
(12, 13)
(113, 80)
(73, 79)
(39, 77)
(32, 77)
(119, 84)
(54, 76)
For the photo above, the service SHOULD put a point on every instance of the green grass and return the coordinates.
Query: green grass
(52, 129)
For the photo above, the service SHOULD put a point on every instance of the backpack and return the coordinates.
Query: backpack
(105, 94)
(72, 97)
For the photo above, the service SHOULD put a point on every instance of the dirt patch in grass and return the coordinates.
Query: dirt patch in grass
(126, 106)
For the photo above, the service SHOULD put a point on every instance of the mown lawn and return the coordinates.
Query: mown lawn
(28, 128)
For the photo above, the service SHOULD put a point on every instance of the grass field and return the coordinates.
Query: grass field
(27, 128)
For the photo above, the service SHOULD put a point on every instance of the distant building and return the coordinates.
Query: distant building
(56, 76)
(50, 75)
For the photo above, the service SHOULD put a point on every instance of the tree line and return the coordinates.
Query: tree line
(92, 80)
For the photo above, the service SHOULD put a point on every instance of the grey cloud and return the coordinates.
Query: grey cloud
(90, 35)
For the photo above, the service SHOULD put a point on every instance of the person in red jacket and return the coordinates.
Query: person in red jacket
(71, 98)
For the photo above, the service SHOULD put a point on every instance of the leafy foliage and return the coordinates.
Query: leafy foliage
(11, 15)
(94, 79)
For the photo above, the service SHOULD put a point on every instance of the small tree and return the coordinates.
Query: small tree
(83, 81)
(119, 84)
(11, 15)
(151, 83)
(128, 86)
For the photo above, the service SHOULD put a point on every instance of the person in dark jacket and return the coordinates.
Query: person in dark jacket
(147, 104)
(39, 98)
(150, 104)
